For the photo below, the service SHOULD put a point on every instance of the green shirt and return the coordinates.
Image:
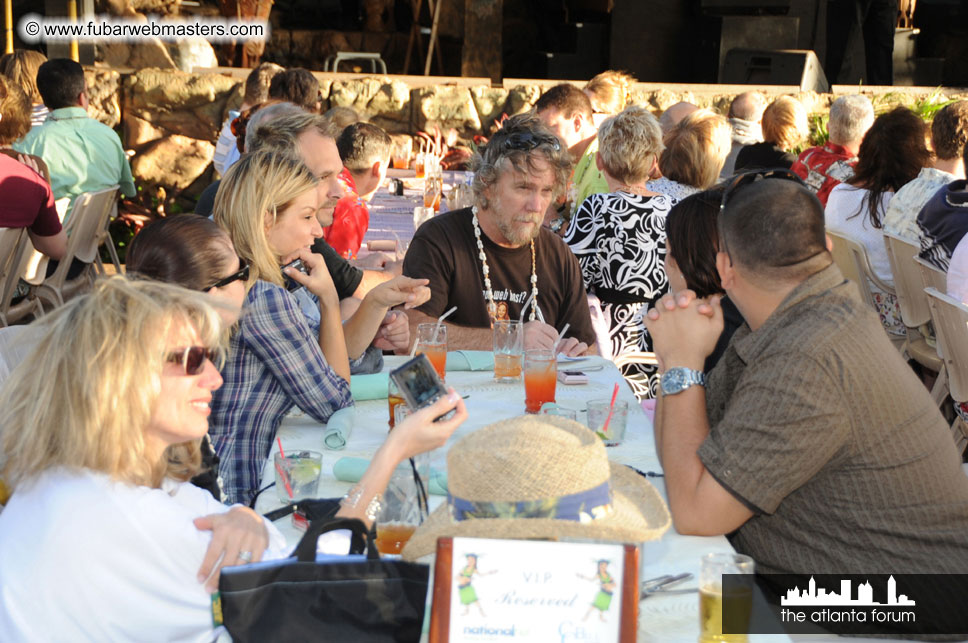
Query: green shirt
(586, 180)
(83, 155)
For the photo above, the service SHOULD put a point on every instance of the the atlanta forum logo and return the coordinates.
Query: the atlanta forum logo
(817, 605)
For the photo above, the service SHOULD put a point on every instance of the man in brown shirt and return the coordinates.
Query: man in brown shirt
(812, 443)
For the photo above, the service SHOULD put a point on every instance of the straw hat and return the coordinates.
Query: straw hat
(540, 477)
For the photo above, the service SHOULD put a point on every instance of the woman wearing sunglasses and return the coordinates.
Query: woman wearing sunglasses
(98, 442)
(192, 252)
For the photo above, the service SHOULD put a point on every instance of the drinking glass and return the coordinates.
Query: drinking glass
(300, 469)
(400, 153)
(433, 343)
(598, 413)
(540, 378)
(560, 411)
(739, 600)
(433, 187)
(420, 215)
(402, 506)
(419, 165)
(508, 349)
(394, 401)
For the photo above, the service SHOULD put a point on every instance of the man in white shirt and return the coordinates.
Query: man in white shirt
(949, 133)
(256, 91)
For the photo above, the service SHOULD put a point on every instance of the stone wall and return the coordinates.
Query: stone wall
(170, 119)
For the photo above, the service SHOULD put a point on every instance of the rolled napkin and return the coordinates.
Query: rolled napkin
(339, 427)
(470, 361)
(352, 469)
(369, 387)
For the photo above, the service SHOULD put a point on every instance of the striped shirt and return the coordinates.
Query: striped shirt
(823, 431)
(275, 363)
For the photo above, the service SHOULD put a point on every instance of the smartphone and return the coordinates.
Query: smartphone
(572, 377)
(291, 284)
(419, 384)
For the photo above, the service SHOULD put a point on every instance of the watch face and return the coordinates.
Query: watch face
(673, 380)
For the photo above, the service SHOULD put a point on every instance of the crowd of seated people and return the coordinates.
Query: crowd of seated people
(702, 236)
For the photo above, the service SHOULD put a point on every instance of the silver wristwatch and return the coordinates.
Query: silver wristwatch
(678, 379)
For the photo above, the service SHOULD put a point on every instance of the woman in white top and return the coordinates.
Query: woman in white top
(892, 154)
(103, 538)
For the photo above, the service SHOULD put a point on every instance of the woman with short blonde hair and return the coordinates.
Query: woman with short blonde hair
(619, 238)
(609, 93)
(785, 127)
(695, 151)
(21, 67)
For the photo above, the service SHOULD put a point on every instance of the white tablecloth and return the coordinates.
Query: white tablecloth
(662, 617)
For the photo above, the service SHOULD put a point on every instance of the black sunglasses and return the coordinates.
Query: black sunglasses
(192, 359)
(242, 274)
(527, 141)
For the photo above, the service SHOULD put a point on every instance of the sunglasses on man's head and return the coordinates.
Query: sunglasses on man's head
(747, 178)
(243, 274)
(192, 359)
(527, 141)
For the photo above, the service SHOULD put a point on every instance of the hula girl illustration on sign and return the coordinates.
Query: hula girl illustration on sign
(603, 599)
(466, 591)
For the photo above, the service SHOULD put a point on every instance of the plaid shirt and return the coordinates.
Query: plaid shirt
(274, 363)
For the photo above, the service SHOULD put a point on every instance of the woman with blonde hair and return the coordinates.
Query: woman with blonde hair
(608, 93)
(99, 428)
(21, 67)
(695, 151)
(289, 348)
(619, 238)
(785, 127)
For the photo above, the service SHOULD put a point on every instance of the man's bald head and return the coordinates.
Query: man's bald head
(672, 116)
(774, 230)
(748, 106)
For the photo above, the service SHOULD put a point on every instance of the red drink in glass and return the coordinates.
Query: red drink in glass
(540, 379)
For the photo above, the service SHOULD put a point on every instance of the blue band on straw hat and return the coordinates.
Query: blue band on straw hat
(584, 506)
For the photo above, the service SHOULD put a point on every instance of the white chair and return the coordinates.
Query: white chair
(931, 277)
(950, 318)
(86, 230)
(851, 257)
(16, 343)
(915, 312)
(13, 255)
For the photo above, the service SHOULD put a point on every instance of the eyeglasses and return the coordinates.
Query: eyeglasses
(242, 274)
(527, 141)
(740, 181)
(192, 359)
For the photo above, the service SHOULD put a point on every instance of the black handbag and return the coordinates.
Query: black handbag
(351, 598)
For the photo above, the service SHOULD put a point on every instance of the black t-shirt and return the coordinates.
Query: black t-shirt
(444, 251)
(346, 276)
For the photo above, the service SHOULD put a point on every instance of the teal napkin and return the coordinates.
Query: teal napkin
(369, 387)
(339, 427)
(352, 469)
(470, 361)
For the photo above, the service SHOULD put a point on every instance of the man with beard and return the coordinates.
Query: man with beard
(492, 259)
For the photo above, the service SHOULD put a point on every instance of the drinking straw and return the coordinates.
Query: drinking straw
(611, 409)
(282, 472)
(440, 320)
(561, 336)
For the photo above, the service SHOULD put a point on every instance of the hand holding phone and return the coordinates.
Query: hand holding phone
(291, 284)
(419, 384)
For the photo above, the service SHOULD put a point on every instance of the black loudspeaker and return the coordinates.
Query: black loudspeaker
(775, 67)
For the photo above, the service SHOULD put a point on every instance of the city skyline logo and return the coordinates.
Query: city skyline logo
(814, 596)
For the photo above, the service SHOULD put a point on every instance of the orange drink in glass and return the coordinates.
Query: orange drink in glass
(508, 346)
(419, 166)
(394, 399)
(391, 537)
(432, 342)
(540, 378)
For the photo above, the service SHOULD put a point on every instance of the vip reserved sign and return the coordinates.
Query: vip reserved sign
(495, 590)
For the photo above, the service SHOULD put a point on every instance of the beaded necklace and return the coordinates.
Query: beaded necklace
(491, 306)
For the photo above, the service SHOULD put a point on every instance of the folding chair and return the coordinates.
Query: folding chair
(86, 230)
(13, 255)
(915, 312)
(950, 318)
(931, 277)
(851, 257)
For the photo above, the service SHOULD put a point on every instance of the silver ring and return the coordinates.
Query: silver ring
(246, 556)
